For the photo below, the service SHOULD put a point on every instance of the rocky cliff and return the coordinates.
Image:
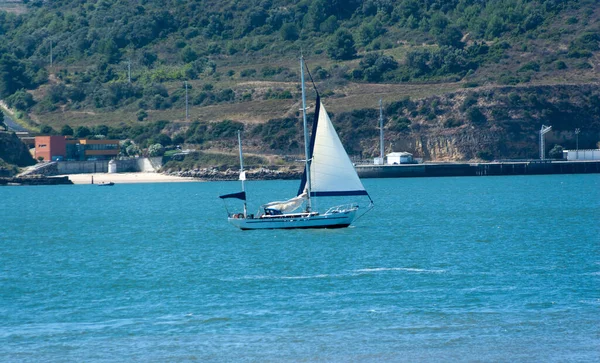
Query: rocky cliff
(13, 151)
(492, 123)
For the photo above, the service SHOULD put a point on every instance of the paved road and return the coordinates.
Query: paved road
(12, 125)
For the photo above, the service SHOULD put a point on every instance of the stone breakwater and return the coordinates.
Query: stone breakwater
(215, 174)
(36, 180)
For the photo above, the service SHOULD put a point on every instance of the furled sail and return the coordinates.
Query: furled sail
(331, 170)
(288, 205)
(239, 195)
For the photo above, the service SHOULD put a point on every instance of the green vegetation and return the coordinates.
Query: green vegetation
(239, 59)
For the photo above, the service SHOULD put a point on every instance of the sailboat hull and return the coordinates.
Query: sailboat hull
(296, 221)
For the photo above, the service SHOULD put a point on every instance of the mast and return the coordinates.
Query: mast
(306, 139)
(381, 146)
(242, 173)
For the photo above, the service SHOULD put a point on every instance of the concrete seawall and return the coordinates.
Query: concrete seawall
(478, 169)
(147, 165)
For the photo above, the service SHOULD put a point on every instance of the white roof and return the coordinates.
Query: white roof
(403, 153)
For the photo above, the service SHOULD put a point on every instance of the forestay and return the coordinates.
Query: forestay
(332, 171)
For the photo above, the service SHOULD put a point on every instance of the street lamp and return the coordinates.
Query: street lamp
(543, 131)
(577, 131)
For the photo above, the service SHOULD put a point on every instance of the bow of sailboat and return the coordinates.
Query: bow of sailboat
(328, 172)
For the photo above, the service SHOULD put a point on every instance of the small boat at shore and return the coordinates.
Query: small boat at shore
(103, 184)
(328, 172)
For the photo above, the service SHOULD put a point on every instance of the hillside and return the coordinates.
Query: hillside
(459, 80)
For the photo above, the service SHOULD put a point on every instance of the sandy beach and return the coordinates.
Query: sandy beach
(122, 178)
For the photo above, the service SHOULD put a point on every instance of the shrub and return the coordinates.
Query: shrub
(475, 115)
(247, 72)
(485, 155)
(399, 125)
(141, 115)
(556, 152)
(47, 130)
(560, 65)
(156, 150)
(341, 46)
(66, 130)
(289, 32)
(531, 66)
(451, 122)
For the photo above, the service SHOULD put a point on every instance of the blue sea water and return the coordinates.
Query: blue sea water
(443, 269)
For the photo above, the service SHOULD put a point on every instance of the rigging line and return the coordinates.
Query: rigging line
(311, 78)
(371, 206)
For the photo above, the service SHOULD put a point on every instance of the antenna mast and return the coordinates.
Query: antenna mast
(306, 139)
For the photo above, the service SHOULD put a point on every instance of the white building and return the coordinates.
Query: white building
(399, 158)
(587, 154)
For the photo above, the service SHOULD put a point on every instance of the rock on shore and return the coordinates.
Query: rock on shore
(229, 174)
(36, 180)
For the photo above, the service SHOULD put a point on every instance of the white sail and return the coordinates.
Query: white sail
(332, 171)
(288, 205)
(328, 172)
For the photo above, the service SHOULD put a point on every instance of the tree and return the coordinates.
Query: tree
(82, 132)
(156, 150)
(2, 124)
(132, 150)
(341, 45)
(20, 100)
(452, 36)
(316, 14)
(141, 115)
(475, 116)
(289, 32)
(188, 55)
(47, 130)
(556, 152)
(330, 25)
(66, 131)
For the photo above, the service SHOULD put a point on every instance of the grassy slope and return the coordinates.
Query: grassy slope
(349, 96)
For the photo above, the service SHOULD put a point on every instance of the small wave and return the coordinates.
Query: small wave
(406, 269)
(301, 277)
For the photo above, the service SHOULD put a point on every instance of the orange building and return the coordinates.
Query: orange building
(61, 148)
(50, 147)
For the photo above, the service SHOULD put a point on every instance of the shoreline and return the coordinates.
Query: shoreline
(128, 178)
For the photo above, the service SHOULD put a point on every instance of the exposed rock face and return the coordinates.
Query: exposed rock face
(13, 151)
(495, 123)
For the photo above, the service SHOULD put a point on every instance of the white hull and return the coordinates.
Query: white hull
(297, 220)
(328, 172)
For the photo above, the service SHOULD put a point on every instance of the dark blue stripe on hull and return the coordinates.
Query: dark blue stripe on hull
(314, 227)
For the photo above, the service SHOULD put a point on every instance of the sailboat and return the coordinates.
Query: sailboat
(328, 172)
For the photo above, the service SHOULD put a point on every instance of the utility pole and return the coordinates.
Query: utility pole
(577, 131)
(543, 131)
(381, 145)
(187, 110)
